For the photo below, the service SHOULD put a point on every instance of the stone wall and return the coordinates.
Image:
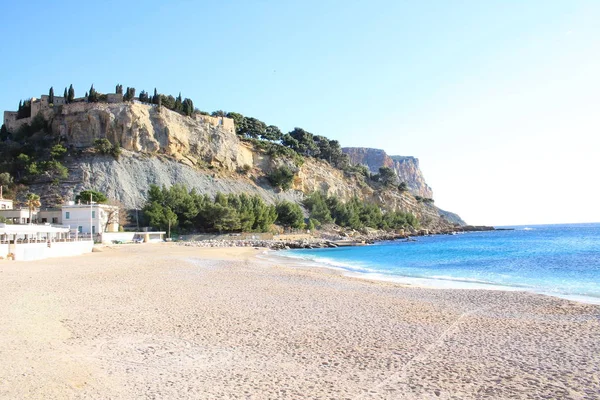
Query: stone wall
(12, 123)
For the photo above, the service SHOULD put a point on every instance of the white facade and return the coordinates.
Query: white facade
(6, 204)
(95, 218)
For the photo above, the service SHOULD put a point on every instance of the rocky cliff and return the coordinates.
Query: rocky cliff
(162, 147)
(407, 168)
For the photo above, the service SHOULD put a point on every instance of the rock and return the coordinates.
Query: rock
(407, 168)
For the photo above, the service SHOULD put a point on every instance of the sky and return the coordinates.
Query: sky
(499, 100)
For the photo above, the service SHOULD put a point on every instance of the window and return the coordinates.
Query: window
(93, 214)
(80, 229)
(93, 228)
(44, 220)
(55, 220)
(68, 215)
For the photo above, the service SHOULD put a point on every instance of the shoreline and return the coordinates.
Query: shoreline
(421, 282)
(168, 321)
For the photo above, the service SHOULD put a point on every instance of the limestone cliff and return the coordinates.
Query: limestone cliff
(147, 129)
(162, 147)
(407, 168)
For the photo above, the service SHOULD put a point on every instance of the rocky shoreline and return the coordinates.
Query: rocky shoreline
(330, 239)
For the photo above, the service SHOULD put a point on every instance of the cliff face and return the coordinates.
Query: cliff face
(164, 148)
(407, 168)
(147, 129)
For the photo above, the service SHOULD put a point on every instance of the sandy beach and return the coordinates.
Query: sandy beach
(170, 322)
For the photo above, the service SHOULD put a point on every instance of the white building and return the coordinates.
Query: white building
(6, 204)
(36, 242)
(94, 218)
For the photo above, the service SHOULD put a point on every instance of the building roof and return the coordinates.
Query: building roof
(30, 229)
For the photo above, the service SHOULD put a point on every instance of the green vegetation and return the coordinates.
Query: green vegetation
(92, 96)
(104, 146)
(289, 215)
(33, 202)
(297, 143)
(85, 196)
(58, 151)
(355, 214)
(33, 151)
(387, 176)
(71, 94)
(24, 110)
(193, 212)
(281, 177)
(425, 200)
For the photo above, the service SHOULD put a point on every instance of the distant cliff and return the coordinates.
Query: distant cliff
(407, 168)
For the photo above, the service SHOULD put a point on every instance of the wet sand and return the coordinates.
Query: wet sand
(166, 321)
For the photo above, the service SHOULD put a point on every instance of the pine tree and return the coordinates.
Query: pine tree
(71, 93)
(51, 96)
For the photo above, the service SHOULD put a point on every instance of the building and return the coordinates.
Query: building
(36, 242)
(94, 218)
(5, 204)
(49, 216)
(18, 216)
(15, 215)
(79, 217)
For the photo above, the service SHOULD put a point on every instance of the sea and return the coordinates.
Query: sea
(556, 260)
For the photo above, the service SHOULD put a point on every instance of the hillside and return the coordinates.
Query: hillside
(162, 147)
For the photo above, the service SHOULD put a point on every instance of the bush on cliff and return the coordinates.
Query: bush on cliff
(281, 177)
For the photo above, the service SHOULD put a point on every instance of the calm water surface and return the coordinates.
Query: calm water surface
(560, 260)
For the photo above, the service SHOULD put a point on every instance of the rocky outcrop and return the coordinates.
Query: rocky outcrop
(407, 168)
(165, 148)
(145, 128)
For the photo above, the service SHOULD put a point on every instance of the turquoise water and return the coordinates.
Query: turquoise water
(559, 260)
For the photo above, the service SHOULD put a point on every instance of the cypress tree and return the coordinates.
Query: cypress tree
(65, 96)
(51, 95)
(178, 103)
(71, 93)
(155, 97)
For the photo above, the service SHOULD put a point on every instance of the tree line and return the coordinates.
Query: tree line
(190, 211)
(355, 213)
(186, 210)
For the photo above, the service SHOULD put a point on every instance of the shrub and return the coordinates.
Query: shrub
(281, 177)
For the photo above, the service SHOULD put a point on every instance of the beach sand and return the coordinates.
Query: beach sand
(168, 322)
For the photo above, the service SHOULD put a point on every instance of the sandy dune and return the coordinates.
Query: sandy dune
(163, 321)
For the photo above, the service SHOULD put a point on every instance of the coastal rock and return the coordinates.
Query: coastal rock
(407, 168)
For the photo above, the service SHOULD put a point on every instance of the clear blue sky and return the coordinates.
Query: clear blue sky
(500, 100)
